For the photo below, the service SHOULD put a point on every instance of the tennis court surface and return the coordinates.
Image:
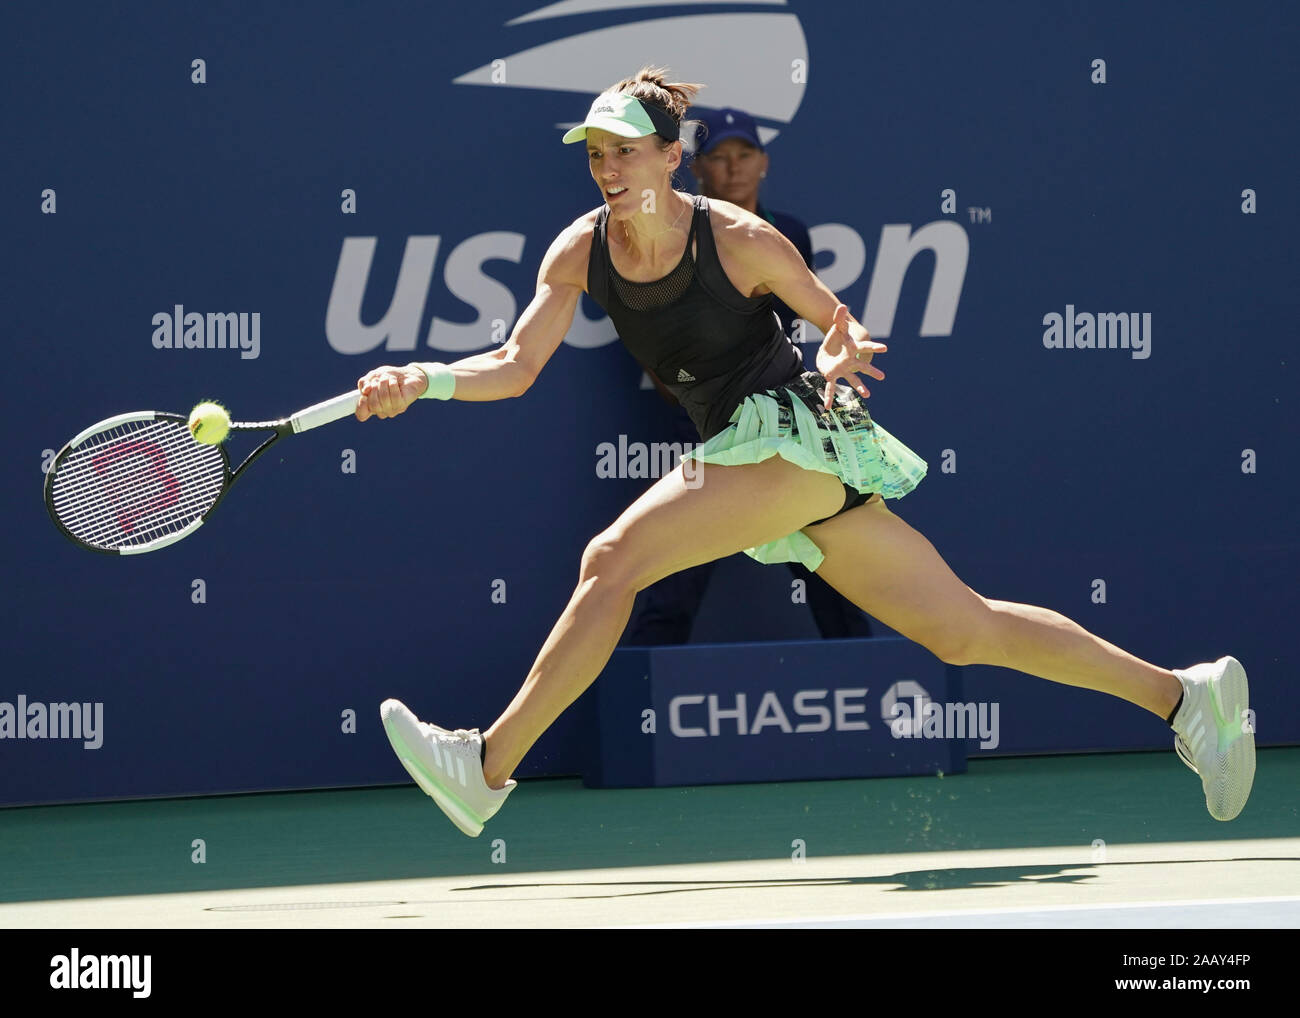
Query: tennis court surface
(1095, 841)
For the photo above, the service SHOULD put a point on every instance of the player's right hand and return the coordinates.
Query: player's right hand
(388, 391)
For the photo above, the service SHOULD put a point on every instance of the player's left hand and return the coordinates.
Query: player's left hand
(845, 353)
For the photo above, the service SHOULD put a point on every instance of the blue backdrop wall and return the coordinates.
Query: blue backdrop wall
(378, 183)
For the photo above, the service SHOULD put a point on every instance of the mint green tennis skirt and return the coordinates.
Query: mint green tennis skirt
(792, 422)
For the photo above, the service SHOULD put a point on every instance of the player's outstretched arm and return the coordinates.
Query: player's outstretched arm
(511, 369)
(847, 350)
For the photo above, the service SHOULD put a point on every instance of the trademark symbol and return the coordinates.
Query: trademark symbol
(979, 215)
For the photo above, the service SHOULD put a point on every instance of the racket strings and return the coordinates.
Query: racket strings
(127, 491)
(135, 483)
(130, 479)
(131, 493)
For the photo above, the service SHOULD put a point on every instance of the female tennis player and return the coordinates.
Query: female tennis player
(793, 467)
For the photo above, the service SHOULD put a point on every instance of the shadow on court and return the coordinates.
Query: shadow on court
(355, 835)
(955, 879)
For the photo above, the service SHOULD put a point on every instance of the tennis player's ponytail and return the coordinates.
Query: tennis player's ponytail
(649, 85)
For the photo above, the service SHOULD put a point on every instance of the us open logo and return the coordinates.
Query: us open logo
(756, 77)
(767, 77)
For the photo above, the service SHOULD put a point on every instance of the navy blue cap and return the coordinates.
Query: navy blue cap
(718, 125)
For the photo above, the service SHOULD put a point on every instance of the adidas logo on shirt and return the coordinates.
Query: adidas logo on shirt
(684, 376)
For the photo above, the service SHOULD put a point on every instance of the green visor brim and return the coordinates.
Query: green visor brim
(619, 127)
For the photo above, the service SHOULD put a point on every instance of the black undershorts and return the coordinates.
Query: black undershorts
(852, 499)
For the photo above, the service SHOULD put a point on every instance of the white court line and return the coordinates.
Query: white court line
(923, 916)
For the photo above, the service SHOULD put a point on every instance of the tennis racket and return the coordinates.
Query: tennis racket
(138, 482)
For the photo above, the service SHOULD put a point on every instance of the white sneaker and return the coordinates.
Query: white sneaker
(447, 765)
(1215, 733)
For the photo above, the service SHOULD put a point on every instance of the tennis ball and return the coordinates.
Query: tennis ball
(209, 423)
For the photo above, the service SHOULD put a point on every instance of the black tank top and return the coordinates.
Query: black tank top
(709, 345)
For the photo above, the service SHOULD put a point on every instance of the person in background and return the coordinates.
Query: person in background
(730, 164)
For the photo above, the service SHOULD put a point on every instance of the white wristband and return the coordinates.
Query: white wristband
(442, 383)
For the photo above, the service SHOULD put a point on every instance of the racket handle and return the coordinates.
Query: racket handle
(325, 413)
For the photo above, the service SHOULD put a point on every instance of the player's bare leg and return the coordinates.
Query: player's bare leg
(671, 527)
(893, 573)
